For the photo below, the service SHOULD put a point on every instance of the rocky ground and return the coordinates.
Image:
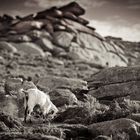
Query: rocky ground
(94, 81)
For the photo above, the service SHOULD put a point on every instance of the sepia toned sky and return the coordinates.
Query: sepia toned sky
(118, 18)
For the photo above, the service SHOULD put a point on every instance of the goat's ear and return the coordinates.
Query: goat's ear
(36, 81)
(29, 78)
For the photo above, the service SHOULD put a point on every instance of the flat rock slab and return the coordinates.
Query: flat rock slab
(52, 82)
(120, 128)
(115, 82)
(116, 75)
(29, 48)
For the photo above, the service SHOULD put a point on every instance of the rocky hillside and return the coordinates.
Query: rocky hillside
(68, 60)
(63, 33)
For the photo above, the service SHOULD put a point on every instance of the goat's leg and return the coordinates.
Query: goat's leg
(28, 111)
(46, 111)
(29, 114)
(55, 110)
(26, 114)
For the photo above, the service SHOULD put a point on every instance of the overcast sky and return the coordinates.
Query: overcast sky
(118, 18)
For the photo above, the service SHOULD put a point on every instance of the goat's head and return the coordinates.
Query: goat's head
(27, 85)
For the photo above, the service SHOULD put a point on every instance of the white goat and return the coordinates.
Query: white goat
(34, 97)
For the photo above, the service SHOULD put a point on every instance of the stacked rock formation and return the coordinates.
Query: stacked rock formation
(62, 32)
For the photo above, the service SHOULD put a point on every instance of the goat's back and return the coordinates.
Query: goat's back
(36, 96)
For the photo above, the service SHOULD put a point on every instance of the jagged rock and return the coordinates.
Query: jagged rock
(52, 12)
(10, 122)
(115, 82)
(7, 46)
(75, 26)
(62, 97)
(29, 48)
(74, 8)
(19, 38)
(36, 34)
(118, 129)
(52, 82)
(63, 38)
(3, 127)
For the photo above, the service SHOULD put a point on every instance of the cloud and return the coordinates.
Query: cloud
(134, 7)
(49, 3)
(126, 32)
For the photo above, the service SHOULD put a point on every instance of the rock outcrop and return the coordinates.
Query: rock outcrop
(58, 52)
(63, 29)
(115, 82)
(117, 129)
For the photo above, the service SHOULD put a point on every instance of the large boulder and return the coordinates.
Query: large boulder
(118, 129)
(62, 38)
(45, 44)
(100, 51)
(61, 97)
(29, 48)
